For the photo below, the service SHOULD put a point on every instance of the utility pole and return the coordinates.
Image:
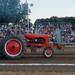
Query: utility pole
(27, 15)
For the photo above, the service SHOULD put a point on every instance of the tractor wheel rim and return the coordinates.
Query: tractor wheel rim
(48, 53)
(13, 47)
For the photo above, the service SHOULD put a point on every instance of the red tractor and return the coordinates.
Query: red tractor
(14, 46)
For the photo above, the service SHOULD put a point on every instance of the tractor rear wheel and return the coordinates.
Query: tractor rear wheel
(13, 47)
(48, 53)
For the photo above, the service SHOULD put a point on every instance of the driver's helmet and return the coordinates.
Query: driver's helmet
(10, 24)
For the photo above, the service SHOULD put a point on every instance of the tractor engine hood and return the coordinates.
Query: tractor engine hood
(30, 36)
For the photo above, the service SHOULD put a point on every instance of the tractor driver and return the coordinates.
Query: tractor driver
(10, 29)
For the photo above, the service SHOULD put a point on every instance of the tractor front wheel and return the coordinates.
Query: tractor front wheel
(48, 53)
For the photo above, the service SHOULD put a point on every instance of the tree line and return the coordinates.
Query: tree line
(57, 20)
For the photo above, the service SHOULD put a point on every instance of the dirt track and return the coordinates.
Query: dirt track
(41, 60)
(37, 73)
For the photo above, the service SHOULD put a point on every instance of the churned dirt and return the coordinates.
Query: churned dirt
(37, 73)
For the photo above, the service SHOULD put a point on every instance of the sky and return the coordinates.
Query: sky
(48, 8)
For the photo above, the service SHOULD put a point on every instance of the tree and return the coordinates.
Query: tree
(12, 11)
(9, 11)
(55, 19)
